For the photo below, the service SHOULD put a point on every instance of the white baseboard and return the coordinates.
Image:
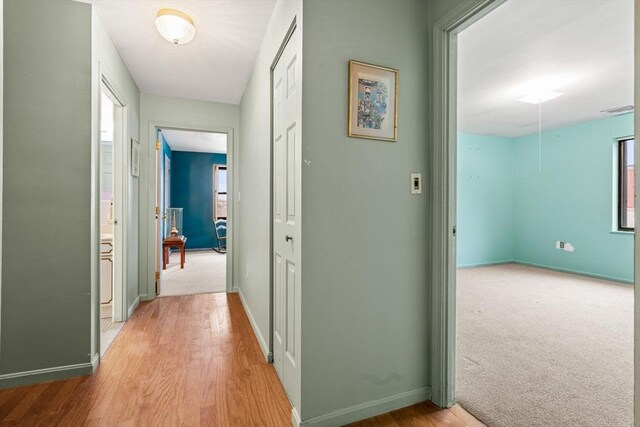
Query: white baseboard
(261, 341)
(46, 374)
(144, 297)
(95, 362)
(364, 410)
(133, 307)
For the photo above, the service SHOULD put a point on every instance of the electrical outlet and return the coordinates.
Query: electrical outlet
(565, 246)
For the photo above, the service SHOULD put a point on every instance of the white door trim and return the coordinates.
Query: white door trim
(442, 158)
(153, 245)
(121, 195)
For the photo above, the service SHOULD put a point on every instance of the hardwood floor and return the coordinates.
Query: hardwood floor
(424, 414)
(183, 361)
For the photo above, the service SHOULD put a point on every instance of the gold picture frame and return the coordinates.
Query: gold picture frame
(373, 102)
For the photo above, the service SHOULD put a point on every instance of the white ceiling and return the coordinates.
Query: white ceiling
(583, 48)
(215, 66)
(199, 142)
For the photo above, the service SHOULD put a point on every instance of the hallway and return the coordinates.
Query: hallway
(183, 361)
(189, 360)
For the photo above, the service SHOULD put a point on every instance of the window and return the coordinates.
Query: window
(626, 185)
(219, 192)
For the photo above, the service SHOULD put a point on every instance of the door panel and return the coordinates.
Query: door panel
(286, 222)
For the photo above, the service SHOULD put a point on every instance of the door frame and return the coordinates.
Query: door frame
(442, 159)
(154, 244)
(276, 58)
(442, 192)
(121, 196)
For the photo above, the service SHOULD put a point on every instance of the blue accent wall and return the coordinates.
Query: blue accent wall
(573, 200)
(192, 190)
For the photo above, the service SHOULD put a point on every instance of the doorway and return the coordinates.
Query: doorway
(111, 181)
(444, 226)
(193, 221)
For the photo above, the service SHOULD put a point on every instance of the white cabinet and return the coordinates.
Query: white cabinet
(106, 271)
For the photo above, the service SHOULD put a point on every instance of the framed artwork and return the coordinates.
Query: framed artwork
(135, 158)
(373, 101)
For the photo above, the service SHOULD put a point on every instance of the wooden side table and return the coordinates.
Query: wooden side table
(173, 243)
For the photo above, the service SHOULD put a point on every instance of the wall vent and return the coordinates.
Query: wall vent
(619, 110)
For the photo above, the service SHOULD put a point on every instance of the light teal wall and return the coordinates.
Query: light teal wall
(365, 292)
(508, 211)
(46, 276)
(485, 193)
(571, 199)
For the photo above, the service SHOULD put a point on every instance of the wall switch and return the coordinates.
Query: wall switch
(416, 183)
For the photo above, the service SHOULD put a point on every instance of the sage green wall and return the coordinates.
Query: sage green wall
(572, 200)
(485, 200)
(46, 275)
(365, 293)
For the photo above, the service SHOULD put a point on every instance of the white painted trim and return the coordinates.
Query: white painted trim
(364, 410)
(442, 157)
(133, 307)
(45, 374)
(122, 194)
(268, 355)
(95, 362)
(153, 251)
(295, 417)
(636, 241)
(102, 80)
(1, 135)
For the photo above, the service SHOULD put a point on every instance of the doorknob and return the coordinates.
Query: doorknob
(287, 238)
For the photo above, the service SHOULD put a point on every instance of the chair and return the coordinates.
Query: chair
(221, 234)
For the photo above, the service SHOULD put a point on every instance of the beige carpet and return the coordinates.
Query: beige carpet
(204, 272)
(541, 348)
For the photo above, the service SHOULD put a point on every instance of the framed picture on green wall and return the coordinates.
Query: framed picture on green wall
(373, 101)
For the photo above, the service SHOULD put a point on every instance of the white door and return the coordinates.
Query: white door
(286, 217)
(159, 221)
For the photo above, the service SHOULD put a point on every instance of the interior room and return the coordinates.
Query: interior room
(193, 194)
(545, 208)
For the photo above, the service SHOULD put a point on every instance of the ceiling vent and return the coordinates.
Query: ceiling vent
(619, 110)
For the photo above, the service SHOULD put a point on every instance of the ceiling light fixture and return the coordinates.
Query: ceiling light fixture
(538, 97)
(175, 26)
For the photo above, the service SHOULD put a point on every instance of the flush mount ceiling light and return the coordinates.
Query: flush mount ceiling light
(175, 26)
(541, 96)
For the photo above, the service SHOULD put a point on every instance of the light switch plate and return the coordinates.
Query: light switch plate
(416, 183)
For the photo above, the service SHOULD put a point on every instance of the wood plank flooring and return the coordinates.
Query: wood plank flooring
(183, 361)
